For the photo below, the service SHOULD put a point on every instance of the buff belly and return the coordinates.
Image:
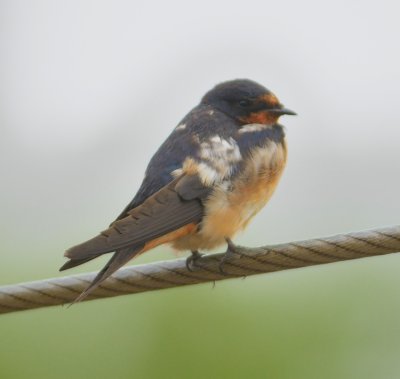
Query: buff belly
(230, 207)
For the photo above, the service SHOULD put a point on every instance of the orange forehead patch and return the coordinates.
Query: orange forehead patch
(271, 99)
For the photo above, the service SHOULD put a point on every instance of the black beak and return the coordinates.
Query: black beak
(282, 111)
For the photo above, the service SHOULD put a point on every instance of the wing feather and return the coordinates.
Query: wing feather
(167, 210)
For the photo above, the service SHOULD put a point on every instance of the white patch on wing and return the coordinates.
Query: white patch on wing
(218, 157)
(220, 149)
(249, 128)
(181, 127)
(208, 174)
(210, 112)
(176, 173)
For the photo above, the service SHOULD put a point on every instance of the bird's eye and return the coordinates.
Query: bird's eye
(245, 103)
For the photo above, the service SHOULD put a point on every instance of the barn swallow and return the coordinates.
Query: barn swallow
(214, 172)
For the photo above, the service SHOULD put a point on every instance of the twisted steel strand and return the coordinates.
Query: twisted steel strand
(168, 274)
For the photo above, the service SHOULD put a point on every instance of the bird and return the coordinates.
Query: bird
(216, 170)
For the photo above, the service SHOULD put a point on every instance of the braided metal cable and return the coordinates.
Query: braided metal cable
(168, 274)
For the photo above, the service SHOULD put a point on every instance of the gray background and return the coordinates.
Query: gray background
(89, 90)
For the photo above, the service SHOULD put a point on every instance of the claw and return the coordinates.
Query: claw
(191, 260)
(231, 250)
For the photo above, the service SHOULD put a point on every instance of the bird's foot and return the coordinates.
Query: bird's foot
(231, 251)
(191, 260)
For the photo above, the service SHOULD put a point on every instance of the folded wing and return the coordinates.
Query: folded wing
(176, 205)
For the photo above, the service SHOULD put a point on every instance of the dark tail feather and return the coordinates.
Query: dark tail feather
(119, 258)
(76, 262)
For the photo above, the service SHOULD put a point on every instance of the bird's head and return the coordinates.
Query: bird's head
(246, 101)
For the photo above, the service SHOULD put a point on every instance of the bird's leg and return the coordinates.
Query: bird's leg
(231, 250)
(191, 260)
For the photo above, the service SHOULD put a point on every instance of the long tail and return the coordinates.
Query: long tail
(77, 262)
(119, 258)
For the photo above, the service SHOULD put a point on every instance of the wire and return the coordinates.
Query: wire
(173, 273)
